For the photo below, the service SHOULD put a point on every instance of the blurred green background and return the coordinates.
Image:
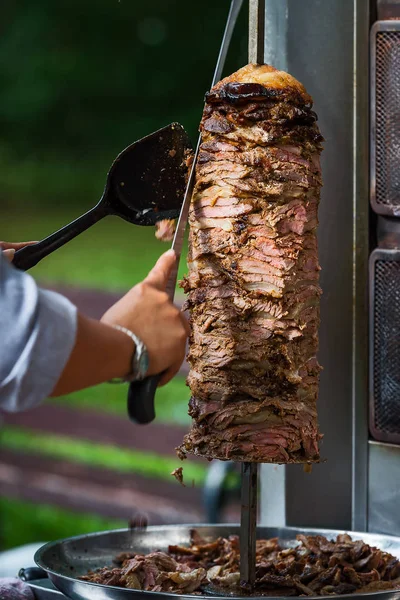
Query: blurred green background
(79, 81)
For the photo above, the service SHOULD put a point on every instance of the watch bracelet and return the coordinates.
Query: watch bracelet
(138, 345)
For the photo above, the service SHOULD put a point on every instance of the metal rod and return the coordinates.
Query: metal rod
(256, 31)
(177, 242)
(233, 14)
(248, 525)
(248, 515)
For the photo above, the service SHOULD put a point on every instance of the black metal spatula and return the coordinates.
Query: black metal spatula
(146, 183)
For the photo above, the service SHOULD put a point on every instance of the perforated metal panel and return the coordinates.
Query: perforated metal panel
(385, 117)
(385, 263)
(385, 345)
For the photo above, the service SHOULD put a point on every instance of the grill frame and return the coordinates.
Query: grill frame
(377, 205)
(385, 255)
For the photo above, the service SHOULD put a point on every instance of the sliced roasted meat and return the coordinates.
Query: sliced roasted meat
(315, 566)
(253, 282)
(165, 230)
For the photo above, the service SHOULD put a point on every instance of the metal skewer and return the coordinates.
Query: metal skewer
(248, 525)
(256, 31)
(177, 242)
(248, 517)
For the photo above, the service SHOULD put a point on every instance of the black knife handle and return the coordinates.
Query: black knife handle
(32, 573)
(141, 400)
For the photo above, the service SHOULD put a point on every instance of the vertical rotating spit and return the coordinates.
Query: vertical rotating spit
(248, 525)
(256, 31)
(248, 516)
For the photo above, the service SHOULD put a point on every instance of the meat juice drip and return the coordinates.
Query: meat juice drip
(253, 283)
(138, 522)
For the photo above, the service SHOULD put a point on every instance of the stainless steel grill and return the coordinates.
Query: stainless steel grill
(385, 346)
(385, 114)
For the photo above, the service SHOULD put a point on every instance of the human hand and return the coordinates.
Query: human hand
(147, 311)
(10, 248)
(15, 589)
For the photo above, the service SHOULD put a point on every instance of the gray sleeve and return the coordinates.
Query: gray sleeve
(37, 333)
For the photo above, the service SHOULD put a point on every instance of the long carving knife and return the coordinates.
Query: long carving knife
(248, 516)
(141, 393)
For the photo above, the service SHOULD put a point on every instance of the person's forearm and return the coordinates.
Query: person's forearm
(100, 353)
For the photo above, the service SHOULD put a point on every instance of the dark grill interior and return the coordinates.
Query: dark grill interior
(388, 120)
(386, 344)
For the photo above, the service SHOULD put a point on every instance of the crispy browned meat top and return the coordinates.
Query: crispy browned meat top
(274, 82)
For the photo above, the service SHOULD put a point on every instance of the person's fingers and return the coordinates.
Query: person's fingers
(174, 369)
(9, 248)
(158, 276)
(166, 378)
(15, 245)
(185, 324)
(170, 374)
(9, 254)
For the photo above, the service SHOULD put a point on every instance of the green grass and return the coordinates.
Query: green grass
(25, 523)
(38, 179)
(112, 255)
(171, 401)
(147, 464)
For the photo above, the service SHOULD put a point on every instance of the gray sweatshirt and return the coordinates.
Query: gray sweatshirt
(37, 335)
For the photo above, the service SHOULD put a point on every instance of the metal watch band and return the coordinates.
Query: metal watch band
(139, 366)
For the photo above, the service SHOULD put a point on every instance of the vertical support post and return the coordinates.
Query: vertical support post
(248, 525)
(256, 31)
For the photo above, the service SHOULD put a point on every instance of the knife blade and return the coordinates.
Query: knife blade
(177, 242)
(141, 393)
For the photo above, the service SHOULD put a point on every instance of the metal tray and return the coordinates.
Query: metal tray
(66, 560)
(40, 585)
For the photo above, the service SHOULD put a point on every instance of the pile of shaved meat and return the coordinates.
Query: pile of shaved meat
(313, 567)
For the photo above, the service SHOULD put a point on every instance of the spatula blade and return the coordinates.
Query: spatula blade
(147, 180)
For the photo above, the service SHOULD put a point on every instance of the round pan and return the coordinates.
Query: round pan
(66, 560)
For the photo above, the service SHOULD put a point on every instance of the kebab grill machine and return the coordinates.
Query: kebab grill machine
(347, 53)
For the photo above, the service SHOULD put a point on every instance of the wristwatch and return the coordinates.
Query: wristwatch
(140, 359)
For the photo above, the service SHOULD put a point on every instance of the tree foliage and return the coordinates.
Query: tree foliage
(80, 79)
